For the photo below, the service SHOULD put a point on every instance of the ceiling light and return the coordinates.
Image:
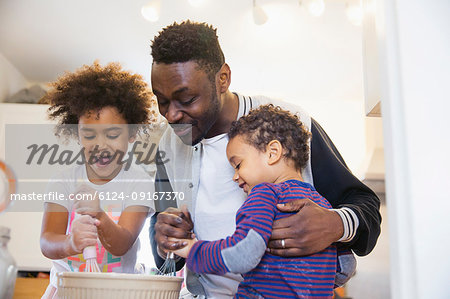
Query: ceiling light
(196, 3)
(259, 15)
(314, 7)
(354, 13)
(150, 11)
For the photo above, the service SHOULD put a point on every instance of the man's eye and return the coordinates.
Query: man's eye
(162, 101)
(189, 101)
(89, 137)
(112, 136)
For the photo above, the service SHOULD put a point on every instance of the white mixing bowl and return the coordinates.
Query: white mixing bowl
(85, 285)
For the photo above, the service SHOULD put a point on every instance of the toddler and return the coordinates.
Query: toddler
(268, 148)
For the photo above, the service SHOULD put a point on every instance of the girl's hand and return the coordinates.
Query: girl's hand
(88, 202)
(83, 234)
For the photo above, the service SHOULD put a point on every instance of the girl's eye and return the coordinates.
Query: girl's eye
(238, 166)
(112, 137)
(89, 137)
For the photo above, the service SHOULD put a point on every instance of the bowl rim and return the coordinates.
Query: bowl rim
(113, 275)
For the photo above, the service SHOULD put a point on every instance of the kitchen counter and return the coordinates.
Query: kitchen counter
(30, 288)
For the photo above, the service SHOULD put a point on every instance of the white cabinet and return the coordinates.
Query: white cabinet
(25, 226)
(372, 36)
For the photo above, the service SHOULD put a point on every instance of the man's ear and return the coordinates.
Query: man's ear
(274, 151)
(223, 78)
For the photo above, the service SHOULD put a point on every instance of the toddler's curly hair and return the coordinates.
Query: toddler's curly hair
(92, 88)
(269, 122)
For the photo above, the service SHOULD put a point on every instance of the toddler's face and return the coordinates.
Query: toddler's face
(251, 165)
(104, 138)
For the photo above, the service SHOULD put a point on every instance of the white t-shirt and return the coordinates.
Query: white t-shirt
(215, 218)
(119, 193)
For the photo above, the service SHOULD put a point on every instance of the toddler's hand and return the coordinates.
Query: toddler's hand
(89, 203)
(83, 233)
(188, 243)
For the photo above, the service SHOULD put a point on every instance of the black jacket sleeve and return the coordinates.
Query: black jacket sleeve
(334, 181)
(162, 184)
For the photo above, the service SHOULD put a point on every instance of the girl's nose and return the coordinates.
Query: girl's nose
(102, 143)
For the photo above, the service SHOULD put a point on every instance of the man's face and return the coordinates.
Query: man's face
(186, 96)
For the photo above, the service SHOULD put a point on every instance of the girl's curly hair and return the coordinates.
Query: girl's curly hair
(269, 122)
(92, 88)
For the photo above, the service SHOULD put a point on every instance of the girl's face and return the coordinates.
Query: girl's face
(250, 165)
(104, 137)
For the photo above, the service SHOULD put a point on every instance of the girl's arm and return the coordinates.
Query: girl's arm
(55, 244)
(118, 238)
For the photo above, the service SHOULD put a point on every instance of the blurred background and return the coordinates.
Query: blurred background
(355, 66)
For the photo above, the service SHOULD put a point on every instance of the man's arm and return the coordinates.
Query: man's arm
(162, 184)
(334, 181)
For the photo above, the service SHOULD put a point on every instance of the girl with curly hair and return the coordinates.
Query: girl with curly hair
(103, 108)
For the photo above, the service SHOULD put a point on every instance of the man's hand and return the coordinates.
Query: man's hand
(310, 230)
(173, 223)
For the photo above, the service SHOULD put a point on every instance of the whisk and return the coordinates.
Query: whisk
(169, 267)
(90, 255)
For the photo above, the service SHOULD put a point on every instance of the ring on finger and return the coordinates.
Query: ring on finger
(283, 244)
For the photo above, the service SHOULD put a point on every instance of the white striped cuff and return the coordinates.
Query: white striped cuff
(350, 222)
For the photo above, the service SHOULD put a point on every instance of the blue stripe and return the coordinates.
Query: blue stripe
(299, 272)
(307, 284)
(265, 287)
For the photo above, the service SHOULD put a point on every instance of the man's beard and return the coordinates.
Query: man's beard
(212, 117)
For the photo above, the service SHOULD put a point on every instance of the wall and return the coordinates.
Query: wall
(415, 107)
(313, 62)
(11, 80)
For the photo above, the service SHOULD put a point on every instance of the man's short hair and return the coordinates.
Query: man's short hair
(189, 41)
(269, 122)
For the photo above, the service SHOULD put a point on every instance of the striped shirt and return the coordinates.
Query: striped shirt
(265, 274)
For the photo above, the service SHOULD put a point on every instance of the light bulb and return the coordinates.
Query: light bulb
(196, 3)
(150, 11)
(354, 14)
(259, 15)
(316, 7)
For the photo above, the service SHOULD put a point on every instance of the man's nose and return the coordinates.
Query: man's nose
(173, 114)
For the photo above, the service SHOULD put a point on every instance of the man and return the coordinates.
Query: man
(190, 80)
